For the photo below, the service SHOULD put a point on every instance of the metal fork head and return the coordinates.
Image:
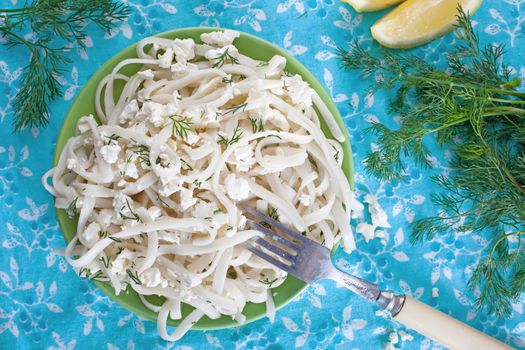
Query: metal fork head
(287, 249)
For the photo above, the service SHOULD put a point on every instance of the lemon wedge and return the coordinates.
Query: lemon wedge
(371, 5)
(416, 22)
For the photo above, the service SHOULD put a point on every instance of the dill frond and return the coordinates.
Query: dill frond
(180, 127)
(472, 107)
(53, 24)
(236, 136)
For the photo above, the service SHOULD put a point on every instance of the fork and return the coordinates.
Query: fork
(311, 261)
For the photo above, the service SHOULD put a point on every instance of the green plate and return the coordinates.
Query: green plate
(84, 104)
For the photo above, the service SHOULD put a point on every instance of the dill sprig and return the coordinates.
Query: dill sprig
(240, 107)
(473, 109)
(236, 136)
(132, 216)
(188, 166)
(72, 208)
(180, 127)
(268, 282)
(142, 151)
(134, 276)
(221, 59)
(56, 26)
(257, 125)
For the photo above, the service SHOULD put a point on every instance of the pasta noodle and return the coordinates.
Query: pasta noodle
(156, 177)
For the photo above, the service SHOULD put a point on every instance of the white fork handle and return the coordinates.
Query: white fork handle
(444, 329)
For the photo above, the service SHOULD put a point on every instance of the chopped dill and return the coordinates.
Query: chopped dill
(72, 208)
(134, 276)
(223, 58)
(268, 282)
(224, 141)
(257, 125)
(142, 151)
(235, 109)
(133, 216)
(180, 126)
(188, 167)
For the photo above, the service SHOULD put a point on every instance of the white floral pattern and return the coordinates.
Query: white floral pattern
(44, 305)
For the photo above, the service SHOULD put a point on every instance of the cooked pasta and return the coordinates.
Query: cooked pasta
(156, 176)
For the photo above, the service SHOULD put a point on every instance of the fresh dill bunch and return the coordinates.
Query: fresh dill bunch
(54, 24)
(473, 109)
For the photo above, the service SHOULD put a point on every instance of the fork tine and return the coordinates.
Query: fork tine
(276, 250)
(273, 235)
(293, 234)
(268, 258)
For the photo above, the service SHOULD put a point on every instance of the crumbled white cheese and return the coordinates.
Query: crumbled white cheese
(186, 198)
(166, 59)
(153, 112)
(183, 49)
(110, 153)
(152, 278)
(298, 90)
(435, 293)
(71, 163)
(129, 112)
(257, 100)
(128, 169)
(379, 217)
(367, 230)
(83, 124)
(168, 185)
(211, 213)
(154, 212)
(243, 157)
(90, 235)
(222, 55)
(105, 217)
(181, 69)
(146, 74)
(237, 188)
(203, 117)
(220, 38)
(121, 203)
(122, 262)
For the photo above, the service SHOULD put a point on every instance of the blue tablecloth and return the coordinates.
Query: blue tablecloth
(44, 305)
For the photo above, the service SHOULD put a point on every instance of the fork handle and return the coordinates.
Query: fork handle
(444, 329)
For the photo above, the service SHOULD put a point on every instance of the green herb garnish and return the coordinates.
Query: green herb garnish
(142, 151)
(55, 26)
(224, 141)
(188, 167)
(268, 282)
(181, 126)
(240, 107)
(132, 216)
(72, 208)
(474, 110)
(134, 276)
(223, 58)
(257, 125)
